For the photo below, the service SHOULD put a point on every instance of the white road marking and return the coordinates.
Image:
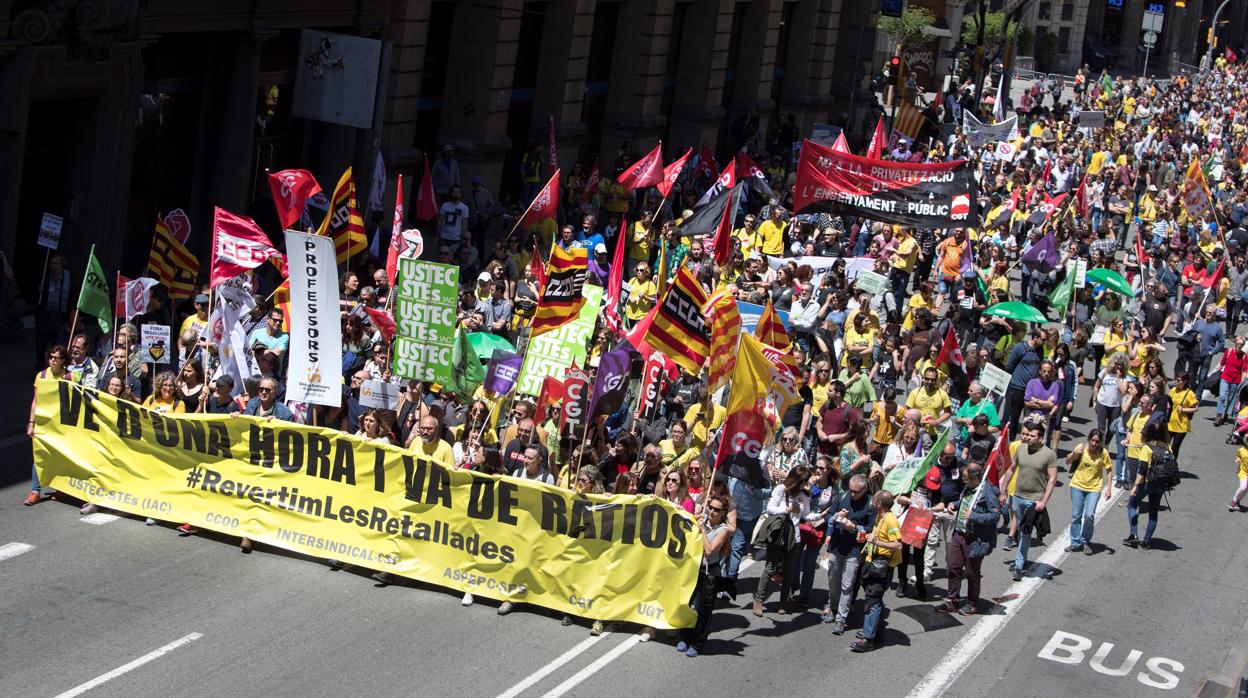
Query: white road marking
(547, 670)
(960, 656)
(10, 550)
(131, 666)
(599, 663)
(98, 518)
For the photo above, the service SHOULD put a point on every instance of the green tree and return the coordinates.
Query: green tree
(907, 28)
(995, 33)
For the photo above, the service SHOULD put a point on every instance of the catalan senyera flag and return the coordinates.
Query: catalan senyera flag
(281, 299)
(172, 263)
(343, 221)
(770, 330)
(1196, 200)
(563, 296)
(909, 120)
(680, 329)
(725, 322)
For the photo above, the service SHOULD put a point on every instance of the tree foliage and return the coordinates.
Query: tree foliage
(994, 36)
(907, 28)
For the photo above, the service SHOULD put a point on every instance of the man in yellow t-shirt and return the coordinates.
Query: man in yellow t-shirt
(771, 234)
(930, 400)
(884, 541)
(903, 260)
(746, 235)
(426, 443)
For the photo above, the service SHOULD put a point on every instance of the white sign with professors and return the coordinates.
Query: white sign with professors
(315, 373)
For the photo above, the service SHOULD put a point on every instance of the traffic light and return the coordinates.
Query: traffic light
(894, 63)
(1209, 37)
(1179, 4)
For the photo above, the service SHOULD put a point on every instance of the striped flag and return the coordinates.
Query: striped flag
(679, 329)
(725, 321)
(172, 263)
(563, 296)
(343, 221)
(770, 330)
(909, 120)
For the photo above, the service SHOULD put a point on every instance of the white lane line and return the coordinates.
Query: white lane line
(547, 670)
(593, 668)
(131, 666)
(10, 550)
(960, 656)
(98, 519)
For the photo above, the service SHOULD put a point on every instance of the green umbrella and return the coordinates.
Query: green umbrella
(484, 344)
(1111, 280)
(1016, 311)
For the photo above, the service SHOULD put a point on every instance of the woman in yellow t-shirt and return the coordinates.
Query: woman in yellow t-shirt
(164, 397)
(1116, 341)
(886, 418)
(922, 298)
(1089, 463)
(859, 339)
(642, 293)
(1183, 405)
(1145, 348)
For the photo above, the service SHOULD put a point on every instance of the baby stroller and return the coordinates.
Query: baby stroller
(1239, 437)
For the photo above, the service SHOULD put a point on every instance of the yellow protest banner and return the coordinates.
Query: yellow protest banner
(327, 494)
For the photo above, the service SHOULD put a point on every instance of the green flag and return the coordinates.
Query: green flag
(95, 298)
(903, 478)
(1107, 83)
(467, 367)
(1060, 297)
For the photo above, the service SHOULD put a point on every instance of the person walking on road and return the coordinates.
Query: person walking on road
(1089, 466)
(1155, 458)
(1032, 479)
(884, 542)
(974, 533)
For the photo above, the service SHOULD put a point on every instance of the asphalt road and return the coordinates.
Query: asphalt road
(89, 599)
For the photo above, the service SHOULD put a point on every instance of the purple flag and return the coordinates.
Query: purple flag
(1043, 252)
(968, 257)
(503, 371)
(610, 383)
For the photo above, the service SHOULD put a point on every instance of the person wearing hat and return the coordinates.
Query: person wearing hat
(599, 266)
(197, 322)
(218, 399)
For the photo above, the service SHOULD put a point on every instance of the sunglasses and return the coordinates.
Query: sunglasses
(265, 390)
(715, 510)
(674, 479)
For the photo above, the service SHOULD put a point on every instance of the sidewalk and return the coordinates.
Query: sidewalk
(17, 387)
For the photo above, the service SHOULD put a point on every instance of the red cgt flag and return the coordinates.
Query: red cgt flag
(721, 248)
(238, 244)
(383, 322)
(291, 191)
(950, 353)
(706, 164)
(672, 172)
(397, 243)
(646, 172)
(615, 283)
(999, 459)
(545, 204)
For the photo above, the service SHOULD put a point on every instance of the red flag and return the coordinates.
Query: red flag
(291, 190)
(1081, 197)
(999, 459)
(841, 145)
(382, 321)
(876, 148)
(554, 152)
(672, 172)
(545, 204)
(646, 172)
(950, 353)
(238, 244)
(1037, 187)
(552, 390)
(426, 205)
(721, 248)
(119, 303)
(706, 164)
(615, 282)
(539, 270)
(591, 183)
(652, 382)
(1230, 55)
(637, 335)
(397, 243)
(1140, 256)
(1215, 278)
(749, 172)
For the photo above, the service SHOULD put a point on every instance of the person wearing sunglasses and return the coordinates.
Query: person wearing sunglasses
(56, 357)
(266, 404)
(717, 530)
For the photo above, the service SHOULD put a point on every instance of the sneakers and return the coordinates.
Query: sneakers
(1131, 541)
(565, 621)
(758, 608)
(646, 635)
(949, 606)
(967, 609)
(691, 651)
(1018, 574)
(862, 646)
(88, 508)
(1009, 544)
(682, 646)
(32, 498)
(1145, 545)
(382, 578)
(187, 530)
(467, 600)
(1233, 507)
(504, 608)
(838, 628)
(1074, 548)
(596, 628)
(1087, 549)
(335, 565)
(149, 521)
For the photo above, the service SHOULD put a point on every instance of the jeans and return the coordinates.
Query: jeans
(842, 572)
(740, 546)
(1226, 398)
(1021, 507)
(1133, 511)
(1198, 372)
(899, 280)
(963, 566)
(1106, 414)
(874, 595)
(1082, 515)
(1131, 469)
(34, 479)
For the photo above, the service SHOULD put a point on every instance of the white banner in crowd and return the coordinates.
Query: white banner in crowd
(233, 301)
(822, 265)
(315, 373)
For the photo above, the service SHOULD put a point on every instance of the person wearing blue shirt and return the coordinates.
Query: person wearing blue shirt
(266, 404)
(1212, 337)
(851, 517)
(1023, 364)
(750, 502)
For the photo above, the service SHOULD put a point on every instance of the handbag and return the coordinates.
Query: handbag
(771, 530)
(876, 570)
(812, 536)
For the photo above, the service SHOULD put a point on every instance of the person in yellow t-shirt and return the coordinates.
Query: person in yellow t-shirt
(1241, 459)
(820, 386)
(1116, 341)
(771, 234)
(903, 260)
(747, 235)
(1089, 463)
(703, 418)
(641, 241)
(1184, 405)
(859, 339)
(642, 293)
(1136, 450)
(884, 541)
(930, 400)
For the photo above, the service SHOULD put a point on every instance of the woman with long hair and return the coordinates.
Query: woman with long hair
(717, 530)
(56, 357)
(191, 385)
(791, 502)
(824, 485)
(1090, 481)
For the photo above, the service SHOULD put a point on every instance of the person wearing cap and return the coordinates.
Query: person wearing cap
(218, 399)
(197, 322)
(485, 286)
(445, 173)
(599, 266)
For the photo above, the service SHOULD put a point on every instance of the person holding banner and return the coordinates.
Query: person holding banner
(56, 357)
(717, 531)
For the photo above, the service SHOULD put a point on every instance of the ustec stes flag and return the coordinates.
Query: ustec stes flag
(563, 296)
(679, 329)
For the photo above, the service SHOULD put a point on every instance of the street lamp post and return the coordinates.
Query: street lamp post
(1213, 36)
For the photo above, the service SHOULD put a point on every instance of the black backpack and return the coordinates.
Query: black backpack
(1163, 469)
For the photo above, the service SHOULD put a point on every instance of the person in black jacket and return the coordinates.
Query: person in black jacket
(847, 529)
(974, 533)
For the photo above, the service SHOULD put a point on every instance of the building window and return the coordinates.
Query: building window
(1068, 11)
(1063, 40)
(1044, 10)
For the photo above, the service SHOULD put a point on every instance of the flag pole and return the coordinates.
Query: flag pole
(117, 321)
(526, 211)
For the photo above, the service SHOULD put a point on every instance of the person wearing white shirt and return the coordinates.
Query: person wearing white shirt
(804, 315)
(792, 500)
(454, 217)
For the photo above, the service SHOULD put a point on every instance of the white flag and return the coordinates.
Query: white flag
(138, 293)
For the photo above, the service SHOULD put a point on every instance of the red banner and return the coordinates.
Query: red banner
(646, 172)
(291, 191)
(238, 244)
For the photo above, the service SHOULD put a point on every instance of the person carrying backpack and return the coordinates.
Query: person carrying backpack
(1158, 474)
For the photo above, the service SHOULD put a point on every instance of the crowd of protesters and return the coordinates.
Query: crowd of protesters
(872, 390)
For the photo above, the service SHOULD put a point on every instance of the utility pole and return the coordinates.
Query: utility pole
(1213, 36)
